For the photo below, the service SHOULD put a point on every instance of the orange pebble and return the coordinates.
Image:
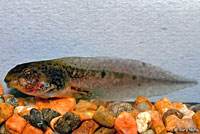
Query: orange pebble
(157, 123)
(48, 131)
(1, 89)
(196, 119)
(42, 103)
(6, 110)
(63, 105)
(140, 99)
(15, 124)
(29, 129)
(125, 124)
(163, 105)
(171, 122)
(177, 105)
(20, 101)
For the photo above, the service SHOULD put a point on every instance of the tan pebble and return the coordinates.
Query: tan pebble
(87, 127)
(85, 105)
(15, 124)
(1, 89)
(103, 117)
(53, 121)
(24, 110)
(29, 129)
(6, 110)
(85, 115)
(187, 112)
(143, 121)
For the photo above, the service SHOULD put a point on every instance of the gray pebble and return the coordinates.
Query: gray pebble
(143, 106)
(12, 101)
(2, 99)
(195, 108)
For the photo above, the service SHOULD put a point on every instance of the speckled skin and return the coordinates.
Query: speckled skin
(99, 77)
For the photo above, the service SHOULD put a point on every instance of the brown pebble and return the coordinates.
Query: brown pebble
(87, 127)
(103, 117)
(99, 102)
(104, 130)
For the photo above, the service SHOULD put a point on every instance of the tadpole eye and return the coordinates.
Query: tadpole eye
(27, 72)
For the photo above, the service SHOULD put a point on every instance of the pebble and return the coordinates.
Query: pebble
(85, 105)
(187, 112)
(99, 102)
(23, 110)
(104, 130)
(143, 106)
(48, 131)
(48, 114)
(157, 123)
(67, 123)
(15, 124)
(3, 130)
(87, 127)
(63, 105)
(29, 101)
(125, 124)
(85, 115)
(103, 117)
(143, 121)
(163, 105)
(6, 110)
(195, 108)
(36, 119)
(150, 131)
(1, 89)
(2, 99)
(170, 122)
(172, 112)
(12, 101)
(186, 124)
(141, 99)
(113, 108)
(196, 119)
(6, 96)
(29, 129)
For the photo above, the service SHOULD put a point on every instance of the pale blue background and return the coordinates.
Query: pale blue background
(165, 33)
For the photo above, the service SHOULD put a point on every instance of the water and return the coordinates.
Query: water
(163, 33)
